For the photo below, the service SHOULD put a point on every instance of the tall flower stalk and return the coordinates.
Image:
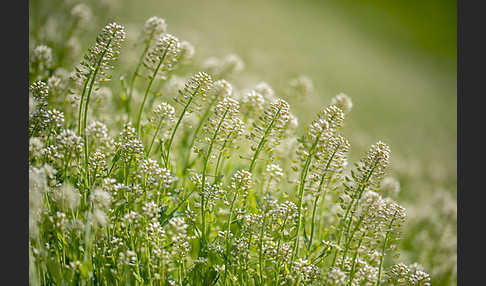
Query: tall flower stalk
(221, 88)
(94, 69)
(220, 129)
(322, 129)
(195, 90)
(159, 62)
(269, 129)
(240, 183)
(152, 29)
(330, 164)
(370, 172)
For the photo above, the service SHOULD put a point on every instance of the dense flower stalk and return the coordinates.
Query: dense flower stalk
(159, 62)
(152, 29)
(195, 90)
(269, 129)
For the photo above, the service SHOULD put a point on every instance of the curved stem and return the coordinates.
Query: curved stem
(134, 76)
(81, 102)
(350, 238)
(194, 136)
(355, 258)
(262, 141)
(167, 155)
(85, 120)
(203, 180)
(277, 277)
(260, 251)
(218, 162)
(228, 228)
(153, 138)
(139, 116)
(303, 177)
(384, 248)
(321, 184)
(360, 193)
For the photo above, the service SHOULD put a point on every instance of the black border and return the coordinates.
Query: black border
(471, 63)
(14, 162)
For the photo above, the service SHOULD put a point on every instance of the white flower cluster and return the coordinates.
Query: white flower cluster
(163, 57)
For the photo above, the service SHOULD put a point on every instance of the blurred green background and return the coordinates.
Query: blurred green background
(396, 59)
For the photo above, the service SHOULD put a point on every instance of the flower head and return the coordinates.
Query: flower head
(271, 125)
(342, 101)
(195, 89)
(41, 60)
(101, 56)
(82, 14)
(67, 197)
(224, 125)
(153, 28)
(301, 86)
(266, 91)
(163, 57)
(187, 51)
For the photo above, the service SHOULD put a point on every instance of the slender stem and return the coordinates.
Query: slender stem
(228, 229)
(203, 180)
(383, 249)
(260, 251)
(262, 141)
(139, 116)
(303, 177)
(115, 159)
(167, 157)
(81, 102)
(134, 76)
(350, 238)
(321, 184)
(85, 119)
(277, 277)
(194, 136)
(218, 162)
(355, 258)
(360, 193)
(155, 136)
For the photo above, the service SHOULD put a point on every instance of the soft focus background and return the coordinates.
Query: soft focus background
(395, 59)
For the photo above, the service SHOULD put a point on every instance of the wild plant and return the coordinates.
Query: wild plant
(197, 187)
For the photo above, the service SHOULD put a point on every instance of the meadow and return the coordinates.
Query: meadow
(256, 143)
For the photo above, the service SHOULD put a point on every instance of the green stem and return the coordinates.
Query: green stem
(139, 116)
(355, 258)
(85, 119)
(218, 162)
(194, 136)
(277, 277)
(262, 141)
(350, 238)
(153, 139)
(360, 193)
(321, 184)
(81, 102)
(228, 229)
(260, 251)
(134, 76)
(383, 249)
(203, 180)
(303, 177)
(167, 156)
